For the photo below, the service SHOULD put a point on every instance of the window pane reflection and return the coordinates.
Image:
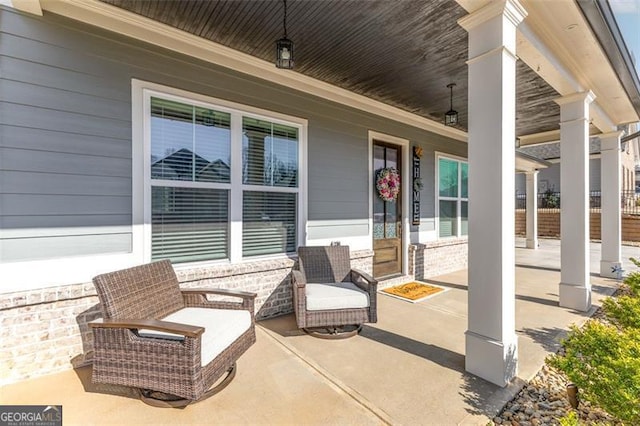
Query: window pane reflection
(189, 143)
(269, 153)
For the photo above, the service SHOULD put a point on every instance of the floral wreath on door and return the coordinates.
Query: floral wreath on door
(388, 183)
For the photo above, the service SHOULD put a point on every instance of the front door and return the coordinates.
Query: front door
(387, 210)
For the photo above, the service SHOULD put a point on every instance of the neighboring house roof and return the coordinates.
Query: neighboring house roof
(551, 151)
(216, 170)
(180, 165)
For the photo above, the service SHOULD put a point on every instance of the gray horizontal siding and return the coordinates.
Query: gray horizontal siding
(24, 182)
(26, 204)
(550, 177)
(64, 142)
(34, 224)
(64, 100)
(65, 118)
(64, 163)
(594, 174)
(19, 70)
(62, 121)
(65, 145)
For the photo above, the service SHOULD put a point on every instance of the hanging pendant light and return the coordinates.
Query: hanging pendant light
(451, 117)
(284, 46)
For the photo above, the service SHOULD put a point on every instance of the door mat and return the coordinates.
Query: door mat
(413, 291)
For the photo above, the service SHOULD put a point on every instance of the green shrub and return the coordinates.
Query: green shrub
(624, 311)
(571, 419)
(633, 279)
(605, 364)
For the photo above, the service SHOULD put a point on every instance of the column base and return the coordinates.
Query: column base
(532, 243)
(611, 269)
(575, 297)
(491, 360)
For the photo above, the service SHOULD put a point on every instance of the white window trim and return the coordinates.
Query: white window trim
(142, 92)
(459, 199)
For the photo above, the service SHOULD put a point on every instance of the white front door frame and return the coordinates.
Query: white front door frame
(405, 180)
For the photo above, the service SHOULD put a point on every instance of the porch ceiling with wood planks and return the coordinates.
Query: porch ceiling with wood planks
(402, 53)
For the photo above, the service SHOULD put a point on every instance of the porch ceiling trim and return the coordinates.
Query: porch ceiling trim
(529, 163)
(29, 6)
(131, 25)
(540, 58)
(601, 19)
(570, 61)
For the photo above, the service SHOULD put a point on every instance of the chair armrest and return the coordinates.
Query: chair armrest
(197, 297)
(221, 291)
(298, 279)
(357, 274)
(150, 324)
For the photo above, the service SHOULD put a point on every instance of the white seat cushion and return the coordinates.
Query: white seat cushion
(221, 328)
(347, 295)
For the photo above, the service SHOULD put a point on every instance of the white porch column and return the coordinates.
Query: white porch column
(610, 184)
(532, 210)
(491, 342)
(575, 288)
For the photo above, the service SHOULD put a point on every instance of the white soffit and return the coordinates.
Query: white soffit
(129, 24)
(574, 60)
(526, 163)
(540, 138)
(557, 43)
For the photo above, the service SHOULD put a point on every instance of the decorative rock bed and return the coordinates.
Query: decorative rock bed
(543, 401)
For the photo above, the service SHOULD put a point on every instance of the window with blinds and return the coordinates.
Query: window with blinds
(192, 190)
(268, 223)
(452, 197)
(189, 224)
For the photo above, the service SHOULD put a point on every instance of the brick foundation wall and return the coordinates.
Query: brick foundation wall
(595, 229)
(45, 331)
(437, 257)
(630, 228)
(549, 225)
(521, 222)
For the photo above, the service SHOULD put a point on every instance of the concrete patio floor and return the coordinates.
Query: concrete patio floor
(406, 369)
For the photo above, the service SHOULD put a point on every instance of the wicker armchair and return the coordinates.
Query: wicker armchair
(331, 300)
(171, 344)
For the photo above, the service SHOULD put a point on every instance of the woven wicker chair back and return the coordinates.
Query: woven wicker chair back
(325, 264)
(149, 291)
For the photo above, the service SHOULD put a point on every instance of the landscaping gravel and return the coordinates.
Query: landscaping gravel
(543, 401)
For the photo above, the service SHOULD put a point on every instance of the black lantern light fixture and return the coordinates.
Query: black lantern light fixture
(451, 117)
(284, 46)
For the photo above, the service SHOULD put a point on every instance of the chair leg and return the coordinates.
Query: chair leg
(165, 400)
(334, 332)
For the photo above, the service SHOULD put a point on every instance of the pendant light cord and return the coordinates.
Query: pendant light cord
(450, 86)
(284, 22)
(451, 97)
